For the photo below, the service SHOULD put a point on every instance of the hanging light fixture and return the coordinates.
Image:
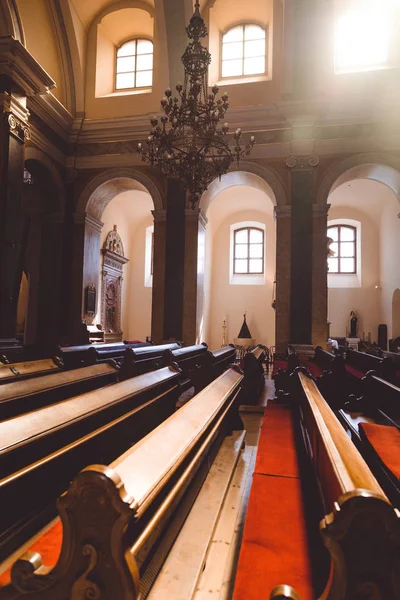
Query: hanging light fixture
(187, 143)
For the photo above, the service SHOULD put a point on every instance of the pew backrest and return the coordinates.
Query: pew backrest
(114, 516)
(25, 370)
(359, 516)
(143, 360)
(19, 397)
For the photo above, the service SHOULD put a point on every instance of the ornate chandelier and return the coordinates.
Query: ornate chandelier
(186, 143)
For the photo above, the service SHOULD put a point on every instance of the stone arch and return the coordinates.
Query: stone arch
(140, 4)
(105, 186)
(36, 154)
(247, 173)
(376, 166)
(10, 21)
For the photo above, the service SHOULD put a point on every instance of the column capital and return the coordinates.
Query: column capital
(16, 115)
(320, 209)
(302, 163)
(283, 212)
(159, 215)
(196, 215)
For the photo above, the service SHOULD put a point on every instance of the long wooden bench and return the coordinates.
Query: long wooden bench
(215, 362)
(25, 370)
(119, 521)
(78, 356)
(143, 360)
(280, 558)
(191, 361)
(42, 450)
(359, 363)
(19, 397)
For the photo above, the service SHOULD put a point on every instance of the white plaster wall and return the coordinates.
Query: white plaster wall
(364, 300)
(231, 301)
(390, 255)
(130, 211)
(376, 207)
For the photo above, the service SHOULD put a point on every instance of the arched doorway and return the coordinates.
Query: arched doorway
(125, 199)
(364, 198)
(241, 201)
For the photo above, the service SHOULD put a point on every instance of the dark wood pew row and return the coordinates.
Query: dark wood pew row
(283, 368)
(308, 472)
(359, 363)
(395, 358)
(26, 370)
(78, 356)
(19, 397)
(215, 362)
(120, 521)
(41, 451)
(254, 375)
(145, 359)
(191, 360)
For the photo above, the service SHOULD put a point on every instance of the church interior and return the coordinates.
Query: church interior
(199, 299)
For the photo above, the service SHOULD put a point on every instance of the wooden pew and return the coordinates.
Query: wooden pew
(78, 356)
(26, 370)
(191, 361)
(395, 358)
(359, 363)
(283, 369)
(213, 363)
(254, 376)
(359, 527)
(145, 359)
(120, 521)
(19, 397)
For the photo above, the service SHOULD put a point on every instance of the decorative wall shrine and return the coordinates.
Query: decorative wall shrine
(113, 263)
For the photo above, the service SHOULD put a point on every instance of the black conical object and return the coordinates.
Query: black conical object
(244, 333)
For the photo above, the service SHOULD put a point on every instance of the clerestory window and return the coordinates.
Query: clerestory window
(248, 251)
(134, 66)
(342, 249)
(243, 51)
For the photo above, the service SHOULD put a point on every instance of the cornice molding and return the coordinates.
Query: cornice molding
(24, 71)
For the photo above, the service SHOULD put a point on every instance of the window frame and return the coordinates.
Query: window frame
(248, 272)
(243, 75)
(117, 48)
(339, 226)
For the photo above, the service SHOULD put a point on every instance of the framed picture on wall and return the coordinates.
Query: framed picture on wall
(90, 300)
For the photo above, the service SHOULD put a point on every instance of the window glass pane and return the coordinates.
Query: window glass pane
(256, 48)
(234, 35)
(256, 236)
(231, 68)
(127, 49)
(144, 78)
(144, 62)
(240, 266)
(256, 250)
(333, 264)
(347, 249)
(241, 236)
(125, 80)
(233, 50)
(145, 47)
(255, 266)
(254, 32)
(241, 250)
(335, 248)
(347, 265)
(333, 232)
(126, 64)
(252, 66)
(347, 234)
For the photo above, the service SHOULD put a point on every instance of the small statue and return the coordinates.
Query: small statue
(353, 324)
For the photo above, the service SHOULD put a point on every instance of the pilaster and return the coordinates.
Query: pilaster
(283, 262)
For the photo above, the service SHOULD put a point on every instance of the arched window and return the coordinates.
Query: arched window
(248, 251)
(243, 51)
(134, 68)
(343, 249)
